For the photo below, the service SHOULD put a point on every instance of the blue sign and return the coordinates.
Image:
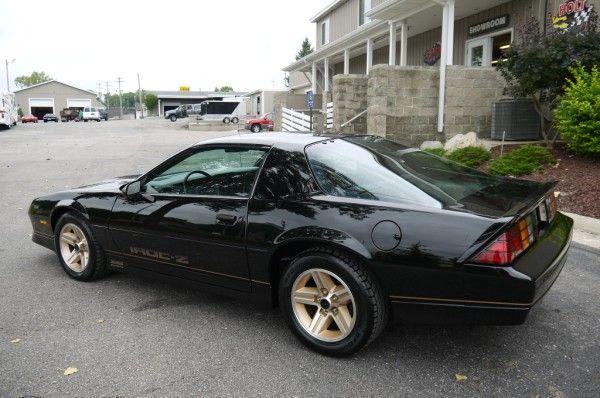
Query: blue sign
(310, 99)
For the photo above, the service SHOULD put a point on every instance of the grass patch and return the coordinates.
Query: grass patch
(471, 156)
(522, 161)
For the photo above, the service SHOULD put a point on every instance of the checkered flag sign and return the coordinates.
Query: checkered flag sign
(582, 16)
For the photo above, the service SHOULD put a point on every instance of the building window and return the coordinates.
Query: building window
(325, 32)
(363, 6)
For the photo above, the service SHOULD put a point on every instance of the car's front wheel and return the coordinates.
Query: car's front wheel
(78, 251)
(331, 302)
(255, 128)
(235, 120)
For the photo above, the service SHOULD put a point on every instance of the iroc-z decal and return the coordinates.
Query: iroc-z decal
(159, 255)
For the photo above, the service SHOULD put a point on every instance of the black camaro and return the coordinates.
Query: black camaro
(338, 231)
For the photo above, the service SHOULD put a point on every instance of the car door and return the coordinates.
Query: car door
(189, 219)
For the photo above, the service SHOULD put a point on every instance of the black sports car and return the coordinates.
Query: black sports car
(338, 231)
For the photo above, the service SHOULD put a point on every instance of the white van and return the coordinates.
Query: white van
(91, 113)
(8, 110)
(228, 110)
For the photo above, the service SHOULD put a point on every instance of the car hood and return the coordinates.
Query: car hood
(112, 185)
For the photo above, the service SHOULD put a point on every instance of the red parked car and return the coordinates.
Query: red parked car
(29, 119)
(265, 122)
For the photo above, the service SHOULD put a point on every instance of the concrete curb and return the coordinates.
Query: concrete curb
(586, 234)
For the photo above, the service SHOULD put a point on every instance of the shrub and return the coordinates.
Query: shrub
(471, 156)
(577, 116)
(522, 161)
(436, 151)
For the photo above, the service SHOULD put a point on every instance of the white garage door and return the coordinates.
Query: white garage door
(41, 102)
(79, 103)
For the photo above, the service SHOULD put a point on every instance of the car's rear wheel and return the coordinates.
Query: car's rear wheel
(78, 251)
(235, 120)
(173, 118)
(226, 120)
(331, 303)
(255, 128)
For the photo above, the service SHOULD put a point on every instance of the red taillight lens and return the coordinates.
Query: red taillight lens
(510, 244)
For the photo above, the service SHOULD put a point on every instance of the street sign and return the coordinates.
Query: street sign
(310, 99)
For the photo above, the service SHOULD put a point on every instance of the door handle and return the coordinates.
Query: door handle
(228, 219)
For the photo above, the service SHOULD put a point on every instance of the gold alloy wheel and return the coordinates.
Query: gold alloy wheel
(74, 247)
(323, 305)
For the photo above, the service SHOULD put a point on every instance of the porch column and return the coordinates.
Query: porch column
(369, 55)
(157, 110)
(392, 45)
(450, 38)
(443, 60)
(314, 78)
(346, 62)
(403, 43)
(326, 75)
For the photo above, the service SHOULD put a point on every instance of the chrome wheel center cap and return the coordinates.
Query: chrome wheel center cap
(325, 303)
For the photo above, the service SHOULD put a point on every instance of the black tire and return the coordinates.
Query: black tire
(226, 120)
(173, 118)
(372, 308)
(256, 128)
(235, 120)
(96, 267)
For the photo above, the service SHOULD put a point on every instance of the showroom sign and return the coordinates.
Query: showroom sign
(489, 26)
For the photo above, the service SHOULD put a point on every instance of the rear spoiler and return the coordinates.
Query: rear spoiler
(510, 219)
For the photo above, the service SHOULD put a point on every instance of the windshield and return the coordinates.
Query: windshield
(369, 167)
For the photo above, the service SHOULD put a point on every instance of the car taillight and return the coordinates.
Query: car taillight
(508, 246)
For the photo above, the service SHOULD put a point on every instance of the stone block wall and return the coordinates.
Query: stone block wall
(403, 103)
(349, 99)
(470, 93)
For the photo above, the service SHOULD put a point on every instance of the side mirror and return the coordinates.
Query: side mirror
(133, 188)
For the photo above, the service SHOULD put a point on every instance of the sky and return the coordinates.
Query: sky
(201, 44)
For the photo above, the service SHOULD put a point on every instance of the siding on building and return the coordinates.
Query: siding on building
(58, 91)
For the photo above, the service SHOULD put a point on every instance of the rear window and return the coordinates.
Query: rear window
(368, 167)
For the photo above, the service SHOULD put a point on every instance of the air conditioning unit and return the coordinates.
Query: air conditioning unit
(517, 118)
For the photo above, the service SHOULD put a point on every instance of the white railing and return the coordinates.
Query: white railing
(329, 119)
(349, 122)
(294, 121)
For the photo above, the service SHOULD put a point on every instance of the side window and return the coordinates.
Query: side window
(325, 32)
(227, 171)
(284, 175)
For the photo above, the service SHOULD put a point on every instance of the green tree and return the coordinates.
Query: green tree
(224, 89)
(31, 80)
(305, 49)
(539, 66)
(578, 112)
(151, 101)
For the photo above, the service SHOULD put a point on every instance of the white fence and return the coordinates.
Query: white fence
(294, 121)
(329, 120)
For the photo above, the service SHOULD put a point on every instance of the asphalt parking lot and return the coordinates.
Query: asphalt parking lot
(138, 337)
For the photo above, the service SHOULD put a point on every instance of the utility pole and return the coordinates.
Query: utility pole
(140, 94)
(107, 96)
(7, 78)
(119, 80)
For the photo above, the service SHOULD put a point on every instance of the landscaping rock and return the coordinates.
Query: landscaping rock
(461, 141)
(431, 145)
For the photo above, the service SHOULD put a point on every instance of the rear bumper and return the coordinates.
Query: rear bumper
(497, 295)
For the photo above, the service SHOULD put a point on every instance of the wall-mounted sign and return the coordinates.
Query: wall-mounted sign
(490, 25)
(184, 88)
(433, 55)
(572, 13)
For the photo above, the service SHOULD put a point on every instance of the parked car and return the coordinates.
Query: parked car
(265, 122)
(29, 119)
(103, 114)
(338, 231)
(90, 113)
(49, 117)
(180, 112)
(68, 114)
